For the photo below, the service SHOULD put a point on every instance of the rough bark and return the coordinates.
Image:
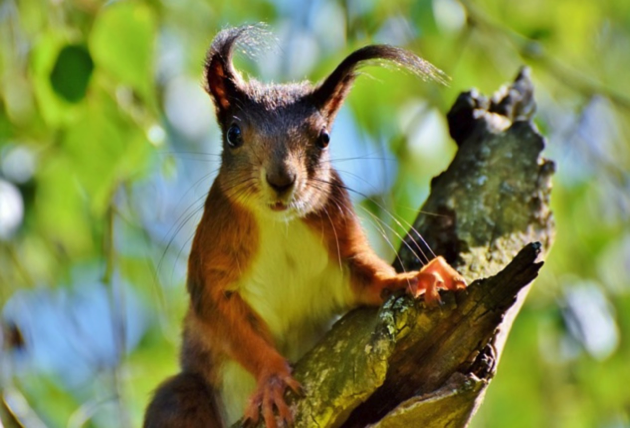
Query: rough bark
(408, 365)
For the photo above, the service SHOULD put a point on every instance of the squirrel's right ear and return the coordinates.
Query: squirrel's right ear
(223, 82)
(330, 94)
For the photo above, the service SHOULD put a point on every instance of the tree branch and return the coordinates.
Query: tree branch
(407, 365)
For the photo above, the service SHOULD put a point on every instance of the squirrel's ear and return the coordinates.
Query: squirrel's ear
(329, 95)
(223, 82)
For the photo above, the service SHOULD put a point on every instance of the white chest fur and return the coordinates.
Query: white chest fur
(296, 288)
(294, 285)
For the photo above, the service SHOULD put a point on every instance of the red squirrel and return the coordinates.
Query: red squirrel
(279, 250)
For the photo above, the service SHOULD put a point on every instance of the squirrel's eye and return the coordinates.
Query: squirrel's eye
(234, 137)
(324, 139)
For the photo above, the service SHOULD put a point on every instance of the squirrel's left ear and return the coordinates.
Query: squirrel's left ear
(223, 82)
(329, 95)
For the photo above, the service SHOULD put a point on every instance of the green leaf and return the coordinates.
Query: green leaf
(55, 110)
(71, 74)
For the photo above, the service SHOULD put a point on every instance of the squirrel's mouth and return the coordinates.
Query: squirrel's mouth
(278, 206)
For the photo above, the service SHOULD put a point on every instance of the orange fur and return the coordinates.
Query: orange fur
(224, 245)
(220, 325)
(275, 171)
(346, 241)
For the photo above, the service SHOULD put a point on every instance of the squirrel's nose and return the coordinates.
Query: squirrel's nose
(281, 181)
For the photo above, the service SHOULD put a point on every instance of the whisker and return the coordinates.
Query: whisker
(422, 260)
(185, 215)
(386, 211)
(411, 228)
(385, 237)
(188, 217)
(196, 158)
(331, 197)
(332, 225)
(337, 202)
(360, 158)
(187, 152)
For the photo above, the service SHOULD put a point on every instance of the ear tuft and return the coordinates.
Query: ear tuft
(222, 81)
(330, 94)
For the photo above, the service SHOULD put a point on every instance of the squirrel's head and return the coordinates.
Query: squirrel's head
(275, 136)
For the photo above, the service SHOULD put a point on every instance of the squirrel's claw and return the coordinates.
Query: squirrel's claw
(269, 395)
(436, 275)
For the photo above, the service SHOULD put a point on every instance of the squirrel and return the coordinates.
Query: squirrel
(279, 250)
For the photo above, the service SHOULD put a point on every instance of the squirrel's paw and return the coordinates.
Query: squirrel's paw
(269, 395)
(436, 275)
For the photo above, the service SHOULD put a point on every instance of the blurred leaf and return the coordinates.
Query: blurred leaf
(72, 71)
(105, 150)
(42, 390)
(59, 208)
(55, 110)
(122, 42)
(5, 125)
(18, 98)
